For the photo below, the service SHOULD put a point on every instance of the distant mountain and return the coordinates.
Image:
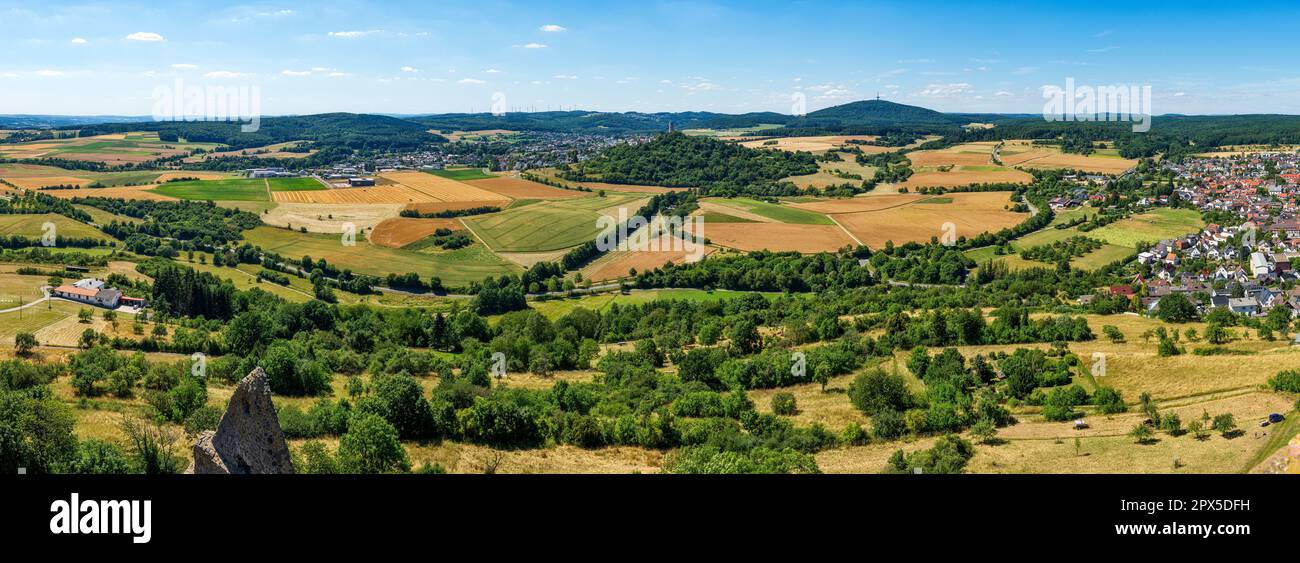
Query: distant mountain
(53, 121)
(596, 123)
(882, 113)
(329, 130)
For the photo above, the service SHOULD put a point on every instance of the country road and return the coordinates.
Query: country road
(45, 290)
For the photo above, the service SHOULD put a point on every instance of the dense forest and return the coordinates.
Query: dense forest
(678, 160)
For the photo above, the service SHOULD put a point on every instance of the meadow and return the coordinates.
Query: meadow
(455, 268)
(462, 174)
(33, 226)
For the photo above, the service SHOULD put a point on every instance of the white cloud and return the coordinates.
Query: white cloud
(946, 90)
(144, 36)
(1004, 94)
(352, 34)
(492, 71)
(1103, 49)
(535, 46)
(184, 65)
(296, 72)
(1025, 70)
(338, 74)
(322, 69)
(665, 81)
(222, 74)
(565, 77)
(409, 69)
(471, 81)
(8, 75)
(49, 73)
(552, 28)
(1179, 94)
(78, 41)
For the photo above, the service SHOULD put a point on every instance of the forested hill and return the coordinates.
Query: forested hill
(881, 113)
(327, 131)
(597, 123)
(679, 160)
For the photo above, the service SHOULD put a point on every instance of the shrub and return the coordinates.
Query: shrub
(876, 391)
(371, 446)
(783, 403)
(1287, 382)
(888, 424)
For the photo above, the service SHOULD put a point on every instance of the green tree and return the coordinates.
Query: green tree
(1141, 433)
(24, 343)
(371, 446)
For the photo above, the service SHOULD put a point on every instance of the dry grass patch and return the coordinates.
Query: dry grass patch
(329, 218)
(815, 144)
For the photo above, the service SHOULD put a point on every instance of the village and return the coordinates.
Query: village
(1248, 269)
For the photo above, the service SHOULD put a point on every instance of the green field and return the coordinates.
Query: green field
(33, 226)
(1121, 237)
(455, 268)
(711, 217)
(462, 174)
(295, 185)
(774, 211)
(549, 225)
(239, 189)
(101, 217)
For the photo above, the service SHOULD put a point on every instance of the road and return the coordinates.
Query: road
(45, 290)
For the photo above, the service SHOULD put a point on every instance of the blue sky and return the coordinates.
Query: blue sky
(452, 56)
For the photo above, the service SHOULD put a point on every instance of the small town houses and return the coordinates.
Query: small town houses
(1248, 269)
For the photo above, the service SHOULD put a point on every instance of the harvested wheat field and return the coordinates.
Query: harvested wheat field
(970, 213)
(516, 188)
(1028, 155)
(859, 204)
(401, 231)
(439, 188)
(815, 144)
(778, 237)
(46, 181)
(329, 219)
(353, 196)
(616, 264)
(965, 177)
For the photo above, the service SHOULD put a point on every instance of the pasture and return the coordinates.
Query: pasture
(960, 165)
(33, 226)
(1121, 237)
(765, 212)
(1028, 155)
(329, 218)
(455, 268)
(237, 189)
(815, 144)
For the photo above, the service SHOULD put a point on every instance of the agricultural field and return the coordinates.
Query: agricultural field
(329, 218)
(831, 174)
(113, 150)
(516, 188)
(295, 185)
(278, 150)
(960, 165)
(1028, 155)
(547, 225)
(455, 268)
(1121, 237)
(969, 213)
(33, 226)
(616, 264)
(240, 189)
(816, 144)
(733, 134)
(476, 136)
(462, 174)
(402, 231)
(765, 212)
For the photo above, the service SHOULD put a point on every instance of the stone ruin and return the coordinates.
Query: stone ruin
(248, 439)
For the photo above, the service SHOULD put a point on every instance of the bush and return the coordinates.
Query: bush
(202, 419)
(371, 446)
(876, 391)
(783, 403)
(888, 424)
(1286, 382)
(1109, 401)
(97, 457)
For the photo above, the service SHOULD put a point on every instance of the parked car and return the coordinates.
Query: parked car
(1276, 418)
